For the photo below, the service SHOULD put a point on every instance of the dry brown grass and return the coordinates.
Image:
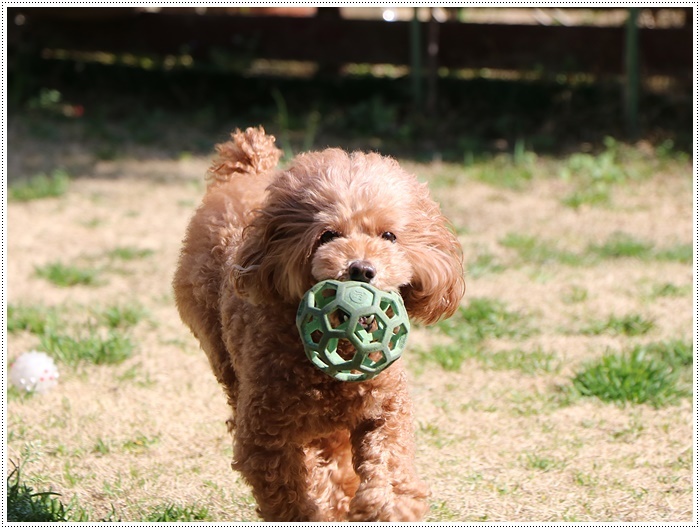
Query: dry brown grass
(495, 445)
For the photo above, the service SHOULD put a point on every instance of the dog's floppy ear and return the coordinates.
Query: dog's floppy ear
(272, 262)
(437, 285)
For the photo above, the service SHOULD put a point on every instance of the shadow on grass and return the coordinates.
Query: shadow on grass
(110, 112)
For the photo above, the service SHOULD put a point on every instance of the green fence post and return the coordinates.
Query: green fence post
(416, 61)
(632, 74)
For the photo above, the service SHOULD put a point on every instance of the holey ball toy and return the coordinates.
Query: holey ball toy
(34, 371)
(351, 330)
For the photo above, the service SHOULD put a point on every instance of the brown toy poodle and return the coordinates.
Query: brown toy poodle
(312, 448)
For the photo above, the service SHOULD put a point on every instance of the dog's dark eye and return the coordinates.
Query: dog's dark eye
(328, 236)
(389, 236)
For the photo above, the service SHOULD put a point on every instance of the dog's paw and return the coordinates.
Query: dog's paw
(384, 504)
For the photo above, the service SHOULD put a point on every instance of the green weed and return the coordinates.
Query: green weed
(528, 403)
(137, 376)
(449, 357)
(92, 348)
(482, 319)
(25, 505)
(532, 250)
(504, 170)
(538, 462)
(486, 318)
(121, 316)
(630, 433)
(618, 246)
(67, 275)
(528, 362)
(140, 443)
(35, 319)
(676, 353)
(621, 245)
(129, 253)
(574, 294)
(177, 513)
(585, 480)
(434, 435)
(636, 377)
(602, 167)
(484, 264)
(669, 290)
(595, 175)
(102, 447)
(682, 253)
(597, 194)
(40, 186)
(628, 325)
(441, 512)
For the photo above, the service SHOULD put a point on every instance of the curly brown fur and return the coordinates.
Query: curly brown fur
(311, 447)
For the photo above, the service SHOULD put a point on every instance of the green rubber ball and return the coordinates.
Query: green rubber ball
(351, 330)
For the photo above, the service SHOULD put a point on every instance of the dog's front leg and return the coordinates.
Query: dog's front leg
(278, 479)
(389, 489)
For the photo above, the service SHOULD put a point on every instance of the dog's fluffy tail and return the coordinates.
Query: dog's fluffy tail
(246, 153)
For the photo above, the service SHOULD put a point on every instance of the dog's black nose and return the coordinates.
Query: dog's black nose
(361, 271)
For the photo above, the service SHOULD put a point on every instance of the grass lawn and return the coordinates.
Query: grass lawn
(560, 391)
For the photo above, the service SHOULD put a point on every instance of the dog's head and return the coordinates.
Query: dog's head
(334, 215)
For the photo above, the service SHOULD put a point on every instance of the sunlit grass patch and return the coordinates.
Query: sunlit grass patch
(503, 172)
(139, 443)
(597, 194)
(63, 275)
(483, 264)
(435, 436)
(102, 447)
(121, 316)
(682, 253)
(541, 462)
(627, 325)
(532, 250)
(574, 294)
(532, 362)
(448, 357)
(529, 403)
(92, 347)
(482, 319)
(25, 505)
(507, 170)
(596, 175)
(40, 186)
(658, 290)
(440, 511)
(35, 319)
(129, 253)
(646, 374)
(676, 353)
(101, 339)
(137, 376)
(486, 318)
(178, 513)
(620, 245)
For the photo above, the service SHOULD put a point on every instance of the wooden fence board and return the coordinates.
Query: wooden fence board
(597, 50)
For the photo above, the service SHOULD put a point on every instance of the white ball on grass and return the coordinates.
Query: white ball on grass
(34, 371)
